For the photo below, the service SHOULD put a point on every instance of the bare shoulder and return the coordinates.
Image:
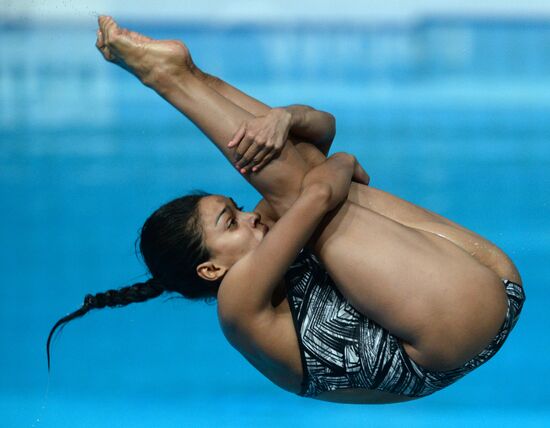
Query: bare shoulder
(237, 316)
(267, 340)
(256, 334)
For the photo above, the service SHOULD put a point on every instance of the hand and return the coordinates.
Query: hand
(359, 174)
(259, 140)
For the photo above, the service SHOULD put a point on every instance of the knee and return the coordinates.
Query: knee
(508, 270)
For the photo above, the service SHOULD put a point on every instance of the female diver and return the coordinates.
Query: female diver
(332, 289)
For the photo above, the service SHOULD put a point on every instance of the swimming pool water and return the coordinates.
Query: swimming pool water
(449, 114)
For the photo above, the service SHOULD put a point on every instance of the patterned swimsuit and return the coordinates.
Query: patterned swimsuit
(341, 348)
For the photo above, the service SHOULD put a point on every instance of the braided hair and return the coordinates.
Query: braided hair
(171, 245)
(138, 292)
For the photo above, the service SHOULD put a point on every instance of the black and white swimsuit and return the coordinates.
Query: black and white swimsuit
(341, 348)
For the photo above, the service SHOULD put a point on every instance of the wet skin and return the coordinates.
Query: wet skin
(451, 277)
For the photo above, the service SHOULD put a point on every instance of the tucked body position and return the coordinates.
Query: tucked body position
(331, 288)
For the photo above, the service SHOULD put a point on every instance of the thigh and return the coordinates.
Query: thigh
(420, 218)
(419, 286)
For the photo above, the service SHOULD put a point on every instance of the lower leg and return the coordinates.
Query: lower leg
(233, 94)
(404, 213)
(309, 153)
(382, 202)
(165, 66)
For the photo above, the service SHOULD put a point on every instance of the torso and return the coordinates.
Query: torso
(281, 362)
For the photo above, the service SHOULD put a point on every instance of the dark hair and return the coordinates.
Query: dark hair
(171, 244)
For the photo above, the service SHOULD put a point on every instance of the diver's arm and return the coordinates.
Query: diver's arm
(313, 157)
(247, 289)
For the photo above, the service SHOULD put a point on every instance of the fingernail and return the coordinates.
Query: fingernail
(243, 171)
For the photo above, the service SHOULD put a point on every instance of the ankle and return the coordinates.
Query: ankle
(165, 80)
(202, 76)
(161, 75)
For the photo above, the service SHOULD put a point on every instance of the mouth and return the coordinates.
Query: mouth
(265, 228)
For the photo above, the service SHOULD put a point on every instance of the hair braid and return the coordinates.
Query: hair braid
(172, 246)
(135, 293)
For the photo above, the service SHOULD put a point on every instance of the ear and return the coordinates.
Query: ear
(211, 271)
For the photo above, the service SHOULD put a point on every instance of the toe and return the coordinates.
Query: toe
(108, 27)
(100, 42)
(105, 52)
(111, 22)
(102, 21)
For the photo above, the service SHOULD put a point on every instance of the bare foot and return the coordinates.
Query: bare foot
(142, 56)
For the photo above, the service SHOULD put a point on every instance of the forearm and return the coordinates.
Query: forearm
(255, 277)
(336, 174)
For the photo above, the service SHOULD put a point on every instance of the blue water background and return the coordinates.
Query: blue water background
(452, 115)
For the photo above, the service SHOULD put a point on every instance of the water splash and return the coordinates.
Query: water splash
(40, 417)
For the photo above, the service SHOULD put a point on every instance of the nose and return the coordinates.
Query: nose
(256, 218)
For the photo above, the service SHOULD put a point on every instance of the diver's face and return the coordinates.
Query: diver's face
(229, 233)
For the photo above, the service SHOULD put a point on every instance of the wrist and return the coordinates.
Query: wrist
(282, 117)
(282, 113)
(165, 83)
(293, 116)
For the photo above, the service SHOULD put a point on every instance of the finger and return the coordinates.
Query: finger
(267, 158)
(247, 157)
(238, 136)
(253, 156)
(367, 179)
(360, 175)
(243, 147)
